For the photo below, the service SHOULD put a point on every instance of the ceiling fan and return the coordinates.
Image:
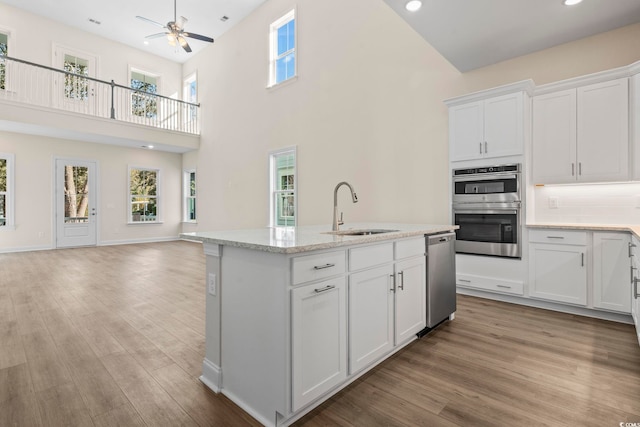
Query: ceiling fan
(175, 32)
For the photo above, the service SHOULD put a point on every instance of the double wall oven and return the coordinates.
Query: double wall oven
(487, 208)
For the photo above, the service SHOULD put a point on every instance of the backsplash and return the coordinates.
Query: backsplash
(617, 203)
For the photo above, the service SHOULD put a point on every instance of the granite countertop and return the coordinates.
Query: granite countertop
(631, 228)
(290, 240)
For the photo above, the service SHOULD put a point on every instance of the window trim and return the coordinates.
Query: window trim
(159, 210)
(273, 176)
(186, 180)
(186, 83)
(273, 47)
(11, 47)
(10, 223)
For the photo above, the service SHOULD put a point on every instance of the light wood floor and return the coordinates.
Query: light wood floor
(114, 336)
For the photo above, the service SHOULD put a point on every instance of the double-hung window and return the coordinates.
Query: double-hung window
(282, 43)
(190, 94)
(283, 186)
(144, 102)
(6, 191)
(189, 192)
(143, 195)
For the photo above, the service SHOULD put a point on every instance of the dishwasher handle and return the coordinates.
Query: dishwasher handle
(440, 238)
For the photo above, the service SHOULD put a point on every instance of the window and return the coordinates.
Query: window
(143, 195)
(4, 51)
(190, 94)
(144, 103)
(189, 196)
(283, 49)
(76, 87)
(283, 187)
(6, 191)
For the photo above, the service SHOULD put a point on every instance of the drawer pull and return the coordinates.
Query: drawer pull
(555, 237)
(503, 286)
(464, 280)
(322, 267)
(325, 289)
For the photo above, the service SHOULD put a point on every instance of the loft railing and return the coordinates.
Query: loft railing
(35, 84)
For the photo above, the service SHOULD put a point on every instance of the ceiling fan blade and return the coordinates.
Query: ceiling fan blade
(180, 22)
(184, 43)
(198, 37)
(155, 36)
(151, 21)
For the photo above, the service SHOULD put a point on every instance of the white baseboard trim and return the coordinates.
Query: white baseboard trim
(211, 375)
(26, 249)
(134, 241)
(548, 305)
(262, 420)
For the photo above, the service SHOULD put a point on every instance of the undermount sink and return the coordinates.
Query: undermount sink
(364, 232)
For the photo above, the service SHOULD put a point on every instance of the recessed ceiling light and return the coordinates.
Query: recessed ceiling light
(148, 147)
(145, 41)
(413, 5)
(571, 2)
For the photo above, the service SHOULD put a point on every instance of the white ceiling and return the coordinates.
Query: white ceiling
(475, 33)
(118, 19)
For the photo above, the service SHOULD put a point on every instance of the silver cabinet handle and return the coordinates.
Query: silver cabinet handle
(573, 169)
(464, 280)
(325, 289)
(503, 286)
(322, 267)
(393, 279)
(582, 259)
(481, 148)
(555, 237)
(635, 288)
(401, 280)
(579, 168)
(631, 246)
(485, 147)
(632, 268)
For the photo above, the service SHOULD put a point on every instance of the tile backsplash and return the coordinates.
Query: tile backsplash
(617, 203)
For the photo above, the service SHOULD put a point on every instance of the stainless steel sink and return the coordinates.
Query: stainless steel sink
(363, 232)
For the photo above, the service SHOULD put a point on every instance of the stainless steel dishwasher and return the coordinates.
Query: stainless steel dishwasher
(441, 277)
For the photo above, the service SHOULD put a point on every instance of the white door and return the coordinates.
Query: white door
(611, 271)
(74, 92)
(410, 298)
(558, 273)
(75, 203)
(319, 339)
(466, 131)
(603, 131)
(503, 125)
(554, 137)
(370, 316)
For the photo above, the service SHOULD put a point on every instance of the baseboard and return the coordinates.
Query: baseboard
(548, 305)
(211, 375)
(26, 249)
(134, 241)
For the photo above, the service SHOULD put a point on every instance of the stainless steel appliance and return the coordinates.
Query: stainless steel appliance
(441, 278)
(487, 208)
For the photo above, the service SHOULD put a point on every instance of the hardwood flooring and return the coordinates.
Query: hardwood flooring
(114, 336)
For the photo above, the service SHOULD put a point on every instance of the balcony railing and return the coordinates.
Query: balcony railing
(35, 84)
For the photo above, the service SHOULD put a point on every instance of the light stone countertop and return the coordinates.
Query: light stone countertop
(289, 240)
(630, 228)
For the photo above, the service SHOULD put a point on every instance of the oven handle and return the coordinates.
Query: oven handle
(487, 211)
(473, 178)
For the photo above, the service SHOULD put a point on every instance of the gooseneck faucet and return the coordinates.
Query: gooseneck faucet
(338, 222)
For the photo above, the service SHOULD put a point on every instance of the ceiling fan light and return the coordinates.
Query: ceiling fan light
(183, 41)
(413, 5)
(571, 2)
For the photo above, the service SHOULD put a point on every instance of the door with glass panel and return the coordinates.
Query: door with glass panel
(75, 203)
(73, 90)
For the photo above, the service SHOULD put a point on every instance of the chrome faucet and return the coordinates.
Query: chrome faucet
(338, 222)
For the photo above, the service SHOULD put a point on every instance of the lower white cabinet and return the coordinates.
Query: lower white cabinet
(558, 272)
(635, 279)
(611, 276)
(319, 339)
(411, 299)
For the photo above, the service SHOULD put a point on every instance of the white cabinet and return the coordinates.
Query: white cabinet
(387, 303)
(493, 127)
(634, 106)
(319, 339)
(611, 276)
(371, 315)
(558, 271)
(582, 135)
(635, 292)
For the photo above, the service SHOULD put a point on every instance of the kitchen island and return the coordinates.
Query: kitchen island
(295, 314)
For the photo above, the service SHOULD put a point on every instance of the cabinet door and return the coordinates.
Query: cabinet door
(411, 298)
(504, 125)
(554, 137)
(558, 273)
(635, 292)
(634, 140)
(611, 272)
(603, 131)
(466, 131)
(370, 316)
(319, 339)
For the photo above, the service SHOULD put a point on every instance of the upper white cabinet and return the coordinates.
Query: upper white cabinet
(488, 124)
(634, 105)
(611, 276)
(582, 134)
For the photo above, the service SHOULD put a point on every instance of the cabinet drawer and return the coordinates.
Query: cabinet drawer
(553, 235)
(409, 248)
(317, 266)
(490, 284)
(370, 256)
